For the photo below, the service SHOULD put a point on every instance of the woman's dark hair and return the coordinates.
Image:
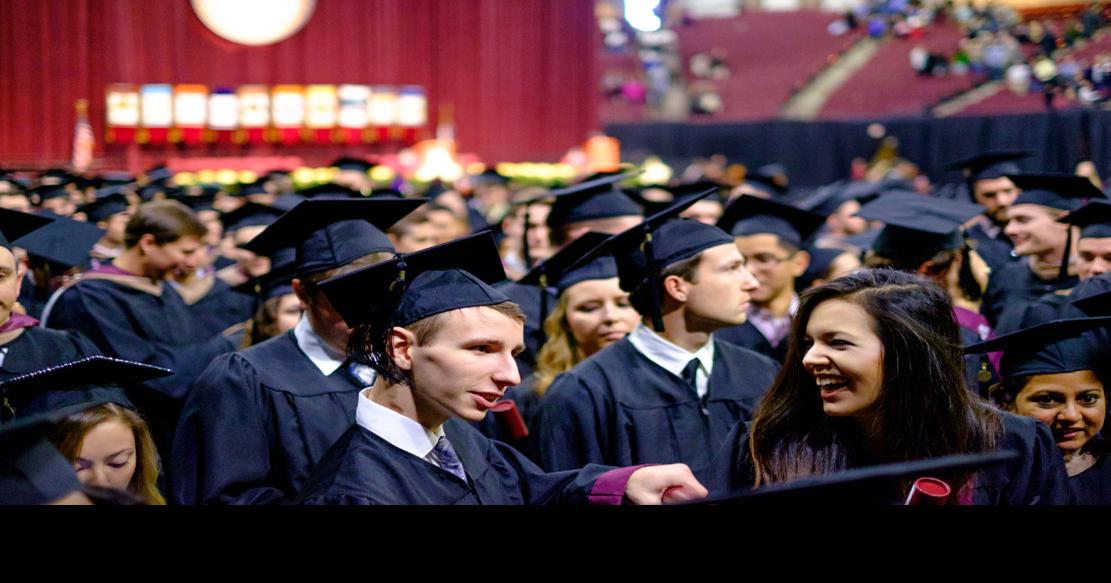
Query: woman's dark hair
(925, 409)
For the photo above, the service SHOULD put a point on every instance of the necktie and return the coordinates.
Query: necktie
(690, 371)
(444, 455)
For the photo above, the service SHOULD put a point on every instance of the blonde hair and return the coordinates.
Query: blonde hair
(560, 352)
(70, 435)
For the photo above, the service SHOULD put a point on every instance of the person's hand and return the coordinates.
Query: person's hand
(664, 485)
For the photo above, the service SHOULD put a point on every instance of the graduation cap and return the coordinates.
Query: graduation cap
(412, 287)
(565, 268)
(204, 201)
(677, 194)
(99, 379)
(765, 179)
(59, 174)
(752, 215)
(821, 258)
(329, 233)
(642, 252)
(386, 193)
(1067, 192)
(32, 470)
(490, 176)
(64, 241)
(873, 485)
(117, 178)
(158, 174)
(256, 187)
(591, 199)
(149, 191)
(1094, 296)
(48, 191)
(15, 224)
(445, 277)
(1055, 347)
(1094, 219)
(827, 199)
(109, 201)
(329, 190)
(989, 165)
(356, 164)
(250, 214)
(916, 227)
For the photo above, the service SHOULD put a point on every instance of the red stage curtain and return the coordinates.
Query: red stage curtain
(519, 74)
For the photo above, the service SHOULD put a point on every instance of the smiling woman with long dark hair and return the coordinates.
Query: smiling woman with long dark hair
(873, 375)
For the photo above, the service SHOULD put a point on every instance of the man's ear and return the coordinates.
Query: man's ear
(676, 287)
(302, 293)
(400, 344)
(799, 262)
(146, 241)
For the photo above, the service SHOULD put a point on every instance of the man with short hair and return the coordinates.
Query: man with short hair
(1093, 259)
(669, 393)
(770, 235)
(1032, 224)
(128, 309)
(987, 179)
(442, 360)
(258, 420)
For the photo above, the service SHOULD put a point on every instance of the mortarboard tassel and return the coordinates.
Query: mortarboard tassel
(1063, 272)
(653, 282)
(525, 247)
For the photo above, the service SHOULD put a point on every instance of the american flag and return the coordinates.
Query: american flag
(83, 139)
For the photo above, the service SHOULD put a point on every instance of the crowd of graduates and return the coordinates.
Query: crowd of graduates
(592, 343)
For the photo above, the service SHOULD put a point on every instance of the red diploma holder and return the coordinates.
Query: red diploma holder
(929, 492)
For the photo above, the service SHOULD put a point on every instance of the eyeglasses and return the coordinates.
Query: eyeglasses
(765, 260)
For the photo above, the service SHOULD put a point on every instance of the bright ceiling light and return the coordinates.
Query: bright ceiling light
(254, 22)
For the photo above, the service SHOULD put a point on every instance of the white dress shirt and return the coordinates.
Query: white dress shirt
(326, 358)
(397, 429)
(674, 358)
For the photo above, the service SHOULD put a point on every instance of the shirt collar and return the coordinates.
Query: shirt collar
(397, 429)
(326, 359)
(671, 357)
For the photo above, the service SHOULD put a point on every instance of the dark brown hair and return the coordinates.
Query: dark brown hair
(925, 409)
(167, 220)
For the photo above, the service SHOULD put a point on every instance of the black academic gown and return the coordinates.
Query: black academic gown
(1013, 286)
(129, 317)
(1093, 485)
(363, 468)
(996, 251)
(256, 423)
(749, 336)
(1037, 478)
(38, 348)
(619, 408)
(32, 297)
(216, 305)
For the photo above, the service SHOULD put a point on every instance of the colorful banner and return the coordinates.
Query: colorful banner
(190, 112)
(157, 105)
(123, 112)
(223, 115)
(288, 112)
(412, 107)
(321, 112)
(254, 113)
